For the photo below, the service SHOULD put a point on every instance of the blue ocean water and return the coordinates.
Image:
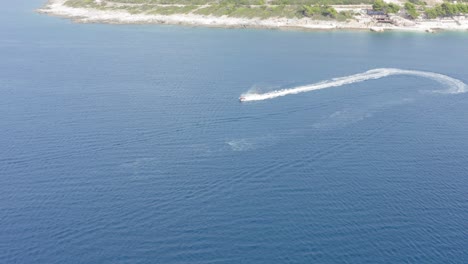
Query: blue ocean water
(127, 144)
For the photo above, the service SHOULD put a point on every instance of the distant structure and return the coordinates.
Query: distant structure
(379, 16)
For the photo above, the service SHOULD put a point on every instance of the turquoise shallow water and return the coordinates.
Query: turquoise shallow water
(127, 144)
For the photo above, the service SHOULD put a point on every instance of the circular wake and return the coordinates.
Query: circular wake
(455, 86)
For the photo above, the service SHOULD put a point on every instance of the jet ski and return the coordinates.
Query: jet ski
(242, 99)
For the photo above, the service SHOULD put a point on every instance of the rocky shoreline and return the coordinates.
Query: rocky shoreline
(360, 22)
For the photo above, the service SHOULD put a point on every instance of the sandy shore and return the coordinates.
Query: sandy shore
(361, 22)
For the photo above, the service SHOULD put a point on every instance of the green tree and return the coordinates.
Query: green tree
(310, 11)
(329, 11)
(411, 10)
(431, 13)
(393, 8)
(379, 5)
(449, 9)
(324, 10)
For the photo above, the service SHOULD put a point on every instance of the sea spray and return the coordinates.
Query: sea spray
(455, 86)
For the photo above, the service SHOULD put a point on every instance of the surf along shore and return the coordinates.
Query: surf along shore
(132, 12)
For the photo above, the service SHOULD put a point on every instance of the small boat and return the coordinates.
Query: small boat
(242, 99)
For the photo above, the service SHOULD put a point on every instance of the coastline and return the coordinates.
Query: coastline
(92, 15)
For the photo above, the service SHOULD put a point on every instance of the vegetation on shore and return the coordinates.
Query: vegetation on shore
(242, 2)
(411, 11)
(315, 9)
(446, 10)
(391, 8)
(232, 8)
(414, 8)
(380, 5)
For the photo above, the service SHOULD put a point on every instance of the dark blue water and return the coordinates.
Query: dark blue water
(126, 144)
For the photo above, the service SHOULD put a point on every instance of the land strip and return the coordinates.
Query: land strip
(302, 14)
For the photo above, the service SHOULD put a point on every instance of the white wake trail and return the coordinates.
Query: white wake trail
(455, 86)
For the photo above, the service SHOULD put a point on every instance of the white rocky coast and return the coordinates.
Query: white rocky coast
(360, 22)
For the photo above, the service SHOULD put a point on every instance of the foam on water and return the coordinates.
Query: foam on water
(455, 86)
